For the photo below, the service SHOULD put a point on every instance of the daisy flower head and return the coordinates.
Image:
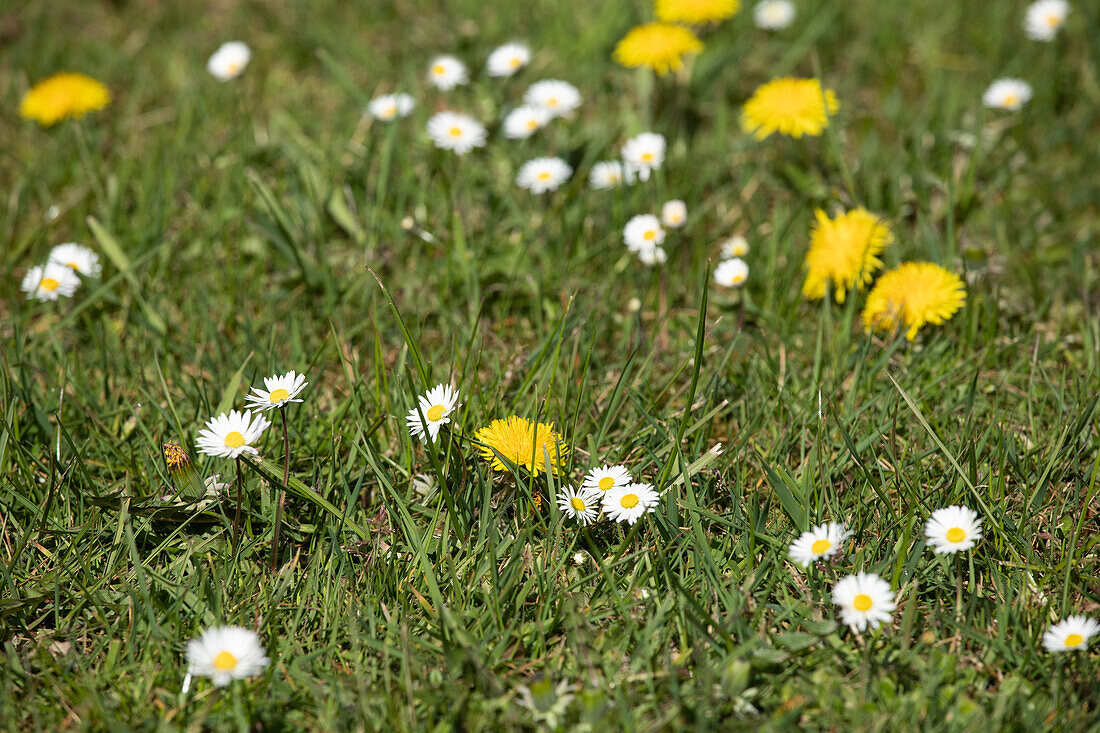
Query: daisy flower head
(844, 252)
(280, 391)
(696, 11)
(533, 446)
(50, 282)
(1071, 635)
(61, 96)
(581, 505)
(231, 435)
(229, 61)
(523, 122)
(447, 72)
(543, 174)
(456, 132)
(80, 258)
(793, 107)
(674, 214)
(628, 503)
(865, 600)
(388, 107)
(559, 98)
(606, 174)
(226, 653)
(644, 153)
(953, 529)
(1007, 94)
(606, 478)
(658, 46)
(508, 59)
(773, 15)
(1044, 19)
(819, 543)
(735, 246)
(911, 295)
(643, 232)
(731, 273)
(651, 256)
(436, 405)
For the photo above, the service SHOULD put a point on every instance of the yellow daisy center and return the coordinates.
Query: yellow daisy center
(435, 412)
(532, 124)
(629, 501)
(438, 69)
(455, 132)
(1053, 21)
(544, 176)
(956, 534)
(515, 62)
(821, 545)
(391, 110)
(73, 265)
(606, 483)
(278, 395)
(862, 602)
(1011, 100)
(740, 279)
(225, 662)
(577, 503)
(552, 102)
(233, 68)
(234, 440)
(1074, 640)
(647, 157)
(650, 235)
(48, 283)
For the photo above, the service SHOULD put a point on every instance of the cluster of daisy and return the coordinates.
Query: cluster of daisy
(641, 155)
(60, 276)
(608, 491)
(236, 433)
(732, 271)
(1042, 21)
(645, 233)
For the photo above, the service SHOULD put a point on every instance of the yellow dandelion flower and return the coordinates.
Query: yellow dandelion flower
(63, 95)
(844, 252)
(794, 107)
(912, 295)
(523, 443)
(660, 46)
(696, 11)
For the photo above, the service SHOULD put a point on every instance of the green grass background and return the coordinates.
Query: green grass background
(236, 222)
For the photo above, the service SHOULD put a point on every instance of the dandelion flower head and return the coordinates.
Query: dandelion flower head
(658, 46)
(61, 96)
(793, 107)
(696, 11)
(844, 253)
(911, 295)
(533, 446)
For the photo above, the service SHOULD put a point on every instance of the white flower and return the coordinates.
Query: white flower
(643, 232)
(522, 122)
(865, 600)
(214, 485)
(1010, 94)
(447, 72)
(819, 543)
(436, 406)
(388, 107)
(226, 653)
(627, 503)
(50, 282)
(953, 529)
(579, 558)
(280, 391)
(229, 60)
(773, 15)
(230, 435)
(674, 214)
(78, 257)
(607, 477)
(652, 256)
(644, 153)
(606, 174)
(1044, 19)
(455, 131)
(559, 98)
(581, 505)
(543, 174)
(735, 246)
(731, 273)
(1072, 634)
(508, 59)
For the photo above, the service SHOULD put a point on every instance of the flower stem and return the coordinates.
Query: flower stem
(282, 495)
(237, 513)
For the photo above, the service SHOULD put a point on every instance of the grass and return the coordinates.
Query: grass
(237, 223)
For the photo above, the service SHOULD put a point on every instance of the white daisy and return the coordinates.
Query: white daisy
(229, 60)
(226, 653)
(607, 477)
(80, 258)
(652, 256)
(50, 282)
(773, 15)
(389, 107)
(1070, 635)
(644, 153)
(214, 485)
(735, 246)
(230, 435)
(436, 406)
(559, 98)
(447, 72)
(643, 232)
(1010, 94)
(1044, 19)
(819, 543)
(731, 273)
(280, 391)
(581, 505)
(579, 558)
(953, 529)
(606, 174)
(627, 503)
(865, 600)
(523, 122)
(543, 174)
(508, 59)
(455, 131)
(674, 214)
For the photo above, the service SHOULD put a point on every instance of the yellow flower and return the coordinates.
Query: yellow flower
(696, 11)
(844, 253)
(660, 46)
(794, 107)
(63, 95)
(519, 441)
(913, 294)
